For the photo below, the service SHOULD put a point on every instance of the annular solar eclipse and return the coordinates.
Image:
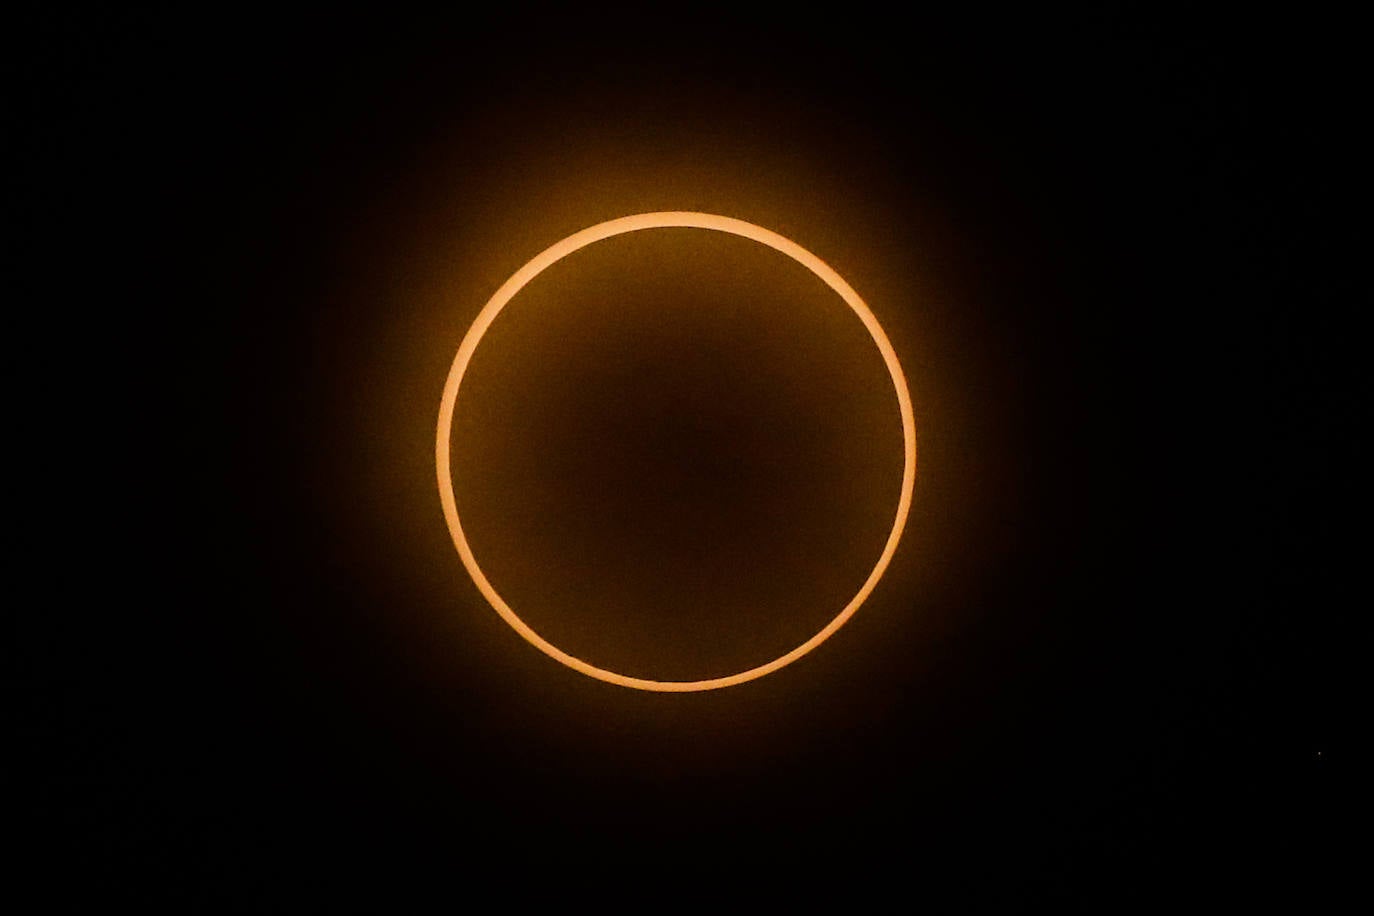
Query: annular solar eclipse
(638, 223)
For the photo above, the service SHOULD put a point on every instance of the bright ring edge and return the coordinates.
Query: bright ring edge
(600, 232)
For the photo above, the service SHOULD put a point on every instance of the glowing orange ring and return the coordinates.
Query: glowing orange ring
(607, 230)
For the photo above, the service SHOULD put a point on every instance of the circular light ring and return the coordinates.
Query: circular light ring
(609, 229)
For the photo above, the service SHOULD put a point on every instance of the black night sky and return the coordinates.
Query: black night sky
(1102, 672)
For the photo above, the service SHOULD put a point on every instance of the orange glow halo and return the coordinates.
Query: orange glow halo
(607, 230)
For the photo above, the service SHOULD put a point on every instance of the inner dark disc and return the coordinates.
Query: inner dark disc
(677, 454)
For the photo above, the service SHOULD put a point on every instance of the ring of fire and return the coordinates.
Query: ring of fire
(599, 232)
